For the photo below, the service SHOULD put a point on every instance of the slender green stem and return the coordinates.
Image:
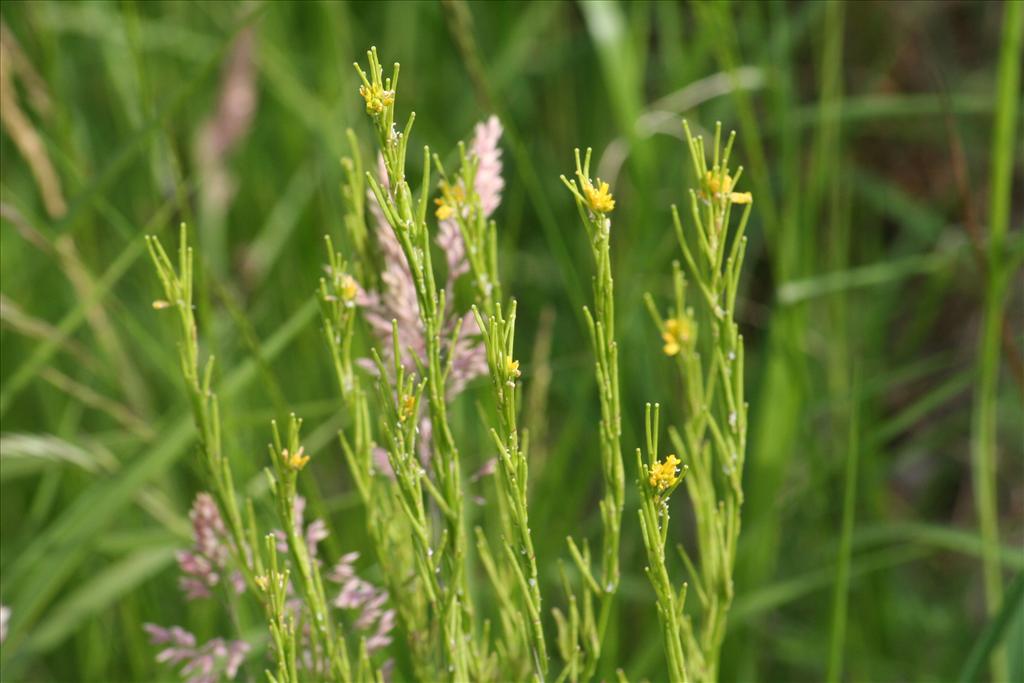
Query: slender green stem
(840, 598)
(499, 336)
(983, 442)
(594, 202)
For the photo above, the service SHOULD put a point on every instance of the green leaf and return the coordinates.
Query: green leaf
(98, 594)
(992, 635)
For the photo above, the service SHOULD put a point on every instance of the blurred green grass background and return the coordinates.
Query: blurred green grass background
(866, 131)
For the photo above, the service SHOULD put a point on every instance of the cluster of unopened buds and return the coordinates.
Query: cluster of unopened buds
(213, 661)
(204, 566)
(359, 594)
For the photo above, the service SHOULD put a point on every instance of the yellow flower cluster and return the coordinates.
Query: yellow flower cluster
(723, 186)
(348, 289)
(267, 581)
(296, 460)
(408, 406)
(512, 367)
(444, 212)
(377, 98)
(716, 184)
(452, 196)
(665, 475)
(678, 333)
(599, 199)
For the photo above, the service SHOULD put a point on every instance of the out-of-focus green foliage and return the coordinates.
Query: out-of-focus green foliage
(867, 136)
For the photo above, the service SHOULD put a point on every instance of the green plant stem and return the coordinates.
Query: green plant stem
(984, 437)
(840, 597)
(499, 336)
(336, 666)
(654, 518)
(407, 218)
(601, 326)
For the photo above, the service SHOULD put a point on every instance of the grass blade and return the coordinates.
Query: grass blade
(992, 635)
(65, 543)
(98, 594)
(841, 596)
